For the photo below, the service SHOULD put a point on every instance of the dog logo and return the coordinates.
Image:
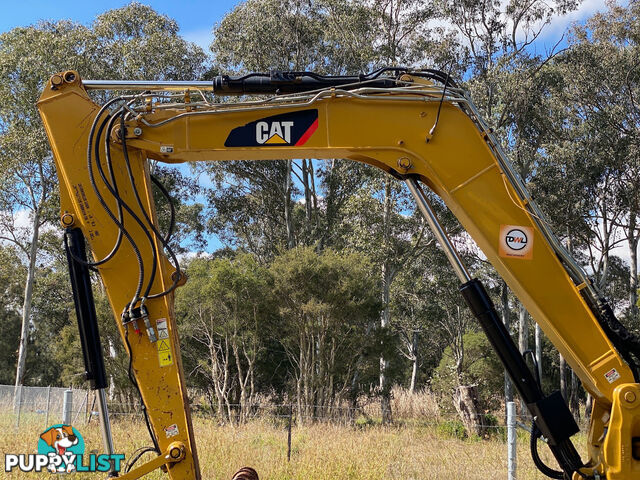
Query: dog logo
(61, 441)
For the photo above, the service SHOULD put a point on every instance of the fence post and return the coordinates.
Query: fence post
(289, 433)
(67, 407)
(18, 406)
(511, 440)
(83, 404)
(46, 416)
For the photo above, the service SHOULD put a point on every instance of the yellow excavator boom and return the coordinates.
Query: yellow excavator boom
(417, 126)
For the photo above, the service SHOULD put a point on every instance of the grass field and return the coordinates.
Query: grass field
(320, 451)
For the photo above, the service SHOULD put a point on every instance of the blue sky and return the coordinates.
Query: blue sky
(195, 17)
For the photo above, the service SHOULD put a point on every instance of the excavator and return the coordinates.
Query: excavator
(417, 125)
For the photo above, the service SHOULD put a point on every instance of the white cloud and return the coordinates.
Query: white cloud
(561, 23)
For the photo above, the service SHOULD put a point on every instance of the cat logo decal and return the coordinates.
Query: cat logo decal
(286, 129)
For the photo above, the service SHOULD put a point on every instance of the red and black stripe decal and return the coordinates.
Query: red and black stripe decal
(283, 130)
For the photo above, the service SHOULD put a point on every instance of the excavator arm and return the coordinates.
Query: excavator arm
(416, 125)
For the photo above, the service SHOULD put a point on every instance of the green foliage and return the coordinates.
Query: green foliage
(451, 429)
(479, 366)
(327, 306)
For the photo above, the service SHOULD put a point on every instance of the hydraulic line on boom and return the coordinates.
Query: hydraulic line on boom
(416, 125)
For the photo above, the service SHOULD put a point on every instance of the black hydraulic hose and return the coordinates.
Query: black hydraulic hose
(154, 264)
(115, 248)
(121, 203)
(148, 220)
(301, 81)
(118, 223)
(172, 207)
(133, 380)
(540, 465)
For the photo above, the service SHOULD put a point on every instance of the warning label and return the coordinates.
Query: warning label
(612, 375)
(165, 357)
(163, 331)
(171, 431)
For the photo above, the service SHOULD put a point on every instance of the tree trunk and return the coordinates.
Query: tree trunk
(523, 329)
(26, 308)
(466, 403)
(633, 276)
(385, 391)
(523, 345)
(288, 218)
(574, 399)
(414, 370)
(563, 378)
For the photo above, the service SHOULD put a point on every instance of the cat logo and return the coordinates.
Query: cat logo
(285, 129)
(516, 242)
(277, 133)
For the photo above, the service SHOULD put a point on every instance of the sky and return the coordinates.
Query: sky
(197, 17)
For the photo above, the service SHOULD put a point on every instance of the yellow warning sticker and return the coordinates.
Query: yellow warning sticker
(165, 357)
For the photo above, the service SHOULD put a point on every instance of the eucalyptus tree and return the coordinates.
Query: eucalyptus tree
(28, 191)
(132, 41)
(226, 308)
(602, 85)
(327, 301)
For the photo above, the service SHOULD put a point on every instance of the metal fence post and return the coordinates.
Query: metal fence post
(511, 440)
(46, 415)
(67, 407)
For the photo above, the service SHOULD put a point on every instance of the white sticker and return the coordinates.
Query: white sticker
(516, 241)
(612, 375)
(161, 325)
(171, 431)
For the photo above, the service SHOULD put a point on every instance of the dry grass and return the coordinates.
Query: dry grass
(320, 451)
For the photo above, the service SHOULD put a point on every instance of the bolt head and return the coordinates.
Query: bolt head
(630, 397)
(137, 131)
(404, 163)
(67, 220)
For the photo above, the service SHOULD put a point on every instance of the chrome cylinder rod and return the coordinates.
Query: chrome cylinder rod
(105, 424)
(143, 85)
(439, 232)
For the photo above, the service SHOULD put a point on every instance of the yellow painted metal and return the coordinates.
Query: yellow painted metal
(174, 454)
(624, 427)
(68, 114)
(391, 134)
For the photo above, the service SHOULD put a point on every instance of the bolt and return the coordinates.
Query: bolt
(404, 163)
(56, 80)
(630, 397)
(67, 219)
(137, 131)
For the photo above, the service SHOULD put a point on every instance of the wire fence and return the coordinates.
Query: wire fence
(52, 405)
(47, 404)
